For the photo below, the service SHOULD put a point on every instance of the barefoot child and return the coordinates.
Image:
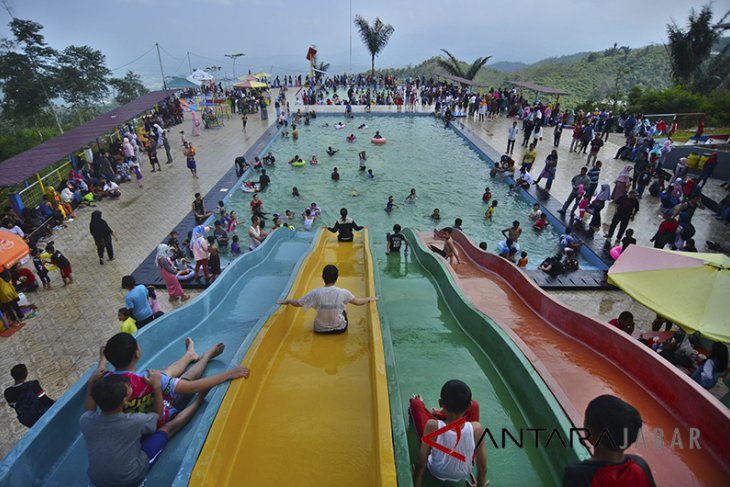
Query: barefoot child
(40, 269)
(449, 251)
(178, 384)
(60, 261)
(122, 447)
(330, 302)
(457, 405)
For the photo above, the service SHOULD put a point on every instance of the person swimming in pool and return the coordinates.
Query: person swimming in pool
(390, 204)
(363, 160)
(411, 196)
(351, 138)
(377, 135)
(362, 126)
(331, 151)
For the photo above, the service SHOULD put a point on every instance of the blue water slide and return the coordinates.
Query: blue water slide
(232, 310)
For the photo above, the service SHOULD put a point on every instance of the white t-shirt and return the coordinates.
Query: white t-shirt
(110, 186)
(330, 303)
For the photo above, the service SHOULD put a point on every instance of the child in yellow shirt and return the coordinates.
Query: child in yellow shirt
(129, 324)
(490, 211)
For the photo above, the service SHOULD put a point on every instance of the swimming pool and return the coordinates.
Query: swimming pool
(445, 170)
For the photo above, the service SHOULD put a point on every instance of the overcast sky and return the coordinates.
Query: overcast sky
(275, 34)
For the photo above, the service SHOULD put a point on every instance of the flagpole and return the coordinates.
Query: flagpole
(350, 36)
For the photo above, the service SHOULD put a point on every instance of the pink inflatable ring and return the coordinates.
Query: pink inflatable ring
(380, 141)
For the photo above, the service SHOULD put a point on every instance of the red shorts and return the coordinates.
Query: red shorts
(65, 272)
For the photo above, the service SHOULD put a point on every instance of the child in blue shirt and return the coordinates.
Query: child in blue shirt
(41, 269)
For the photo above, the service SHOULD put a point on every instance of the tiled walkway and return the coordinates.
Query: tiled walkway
(62, 342)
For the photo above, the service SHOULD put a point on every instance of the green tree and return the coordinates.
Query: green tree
(26, 74)
(453, 66)
(690, 48)
(375, 37)
(81, 76)
(128, 88)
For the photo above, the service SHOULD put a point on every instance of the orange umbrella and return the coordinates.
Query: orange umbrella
(12, 249)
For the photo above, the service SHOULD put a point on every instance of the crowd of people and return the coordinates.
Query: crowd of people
(130, 415)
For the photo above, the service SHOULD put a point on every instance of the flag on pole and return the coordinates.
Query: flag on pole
(311, 53)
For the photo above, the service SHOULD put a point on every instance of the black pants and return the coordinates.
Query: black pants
(510, 146)
(622, 223)
(104, 243)
(12, 311)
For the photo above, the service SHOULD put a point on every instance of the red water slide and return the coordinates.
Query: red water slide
(580, 358)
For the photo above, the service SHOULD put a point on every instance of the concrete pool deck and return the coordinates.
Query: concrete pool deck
(62, 342)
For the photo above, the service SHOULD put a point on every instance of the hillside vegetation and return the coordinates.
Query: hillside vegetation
(586, 76)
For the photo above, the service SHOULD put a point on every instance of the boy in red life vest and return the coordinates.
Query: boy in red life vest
(457, 405)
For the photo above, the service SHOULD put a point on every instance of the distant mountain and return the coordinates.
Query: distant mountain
(508, 66)
(585, 75)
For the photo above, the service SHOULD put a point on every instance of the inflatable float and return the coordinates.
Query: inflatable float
(299, 163)
(339, 126)
(458, 114)
(185, 275)
(250, 187)
(380, 141)
(503, 249)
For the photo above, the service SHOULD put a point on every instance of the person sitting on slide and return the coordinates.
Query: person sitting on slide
(330, 302)
(449, 251)
(457, 405)
(344, 227)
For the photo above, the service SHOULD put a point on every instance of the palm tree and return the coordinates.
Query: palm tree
(375, 36)
(323, 67)
(453, 66)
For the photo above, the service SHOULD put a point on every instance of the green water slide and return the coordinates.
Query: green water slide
(432, 334)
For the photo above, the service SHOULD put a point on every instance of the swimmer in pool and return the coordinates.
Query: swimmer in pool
(314, 160)
(436, 215)
(351, 138)
(370, 174)
(390, 204)
(411, 196)
(295, 192)
(362, 126)
(331, 151)
(377, 135)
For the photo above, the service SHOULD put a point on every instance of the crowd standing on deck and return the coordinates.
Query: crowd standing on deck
(146, 430)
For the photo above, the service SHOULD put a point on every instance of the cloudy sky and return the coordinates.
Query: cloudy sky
(275, 34)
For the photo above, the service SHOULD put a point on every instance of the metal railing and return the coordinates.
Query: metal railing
(32, 195)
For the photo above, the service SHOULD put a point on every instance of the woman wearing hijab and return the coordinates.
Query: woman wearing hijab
(623, 182)
(168, 271)
(597, 206)
(102, 234)
(199, 248)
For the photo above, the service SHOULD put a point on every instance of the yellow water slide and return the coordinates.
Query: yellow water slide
(315, 409)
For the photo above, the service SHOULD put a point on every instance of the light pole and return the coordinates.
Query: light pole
(234, 57)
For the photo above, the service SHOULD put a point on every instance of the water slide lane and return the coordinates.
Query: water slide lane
(315, 409)
(432, 335)
(231, 310)
(580, 359)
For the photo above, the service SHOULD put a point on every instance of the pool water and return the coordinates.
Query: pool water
(420, 153)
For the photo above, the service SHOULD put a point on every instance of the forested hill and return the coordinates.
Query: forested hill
(586, 75)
